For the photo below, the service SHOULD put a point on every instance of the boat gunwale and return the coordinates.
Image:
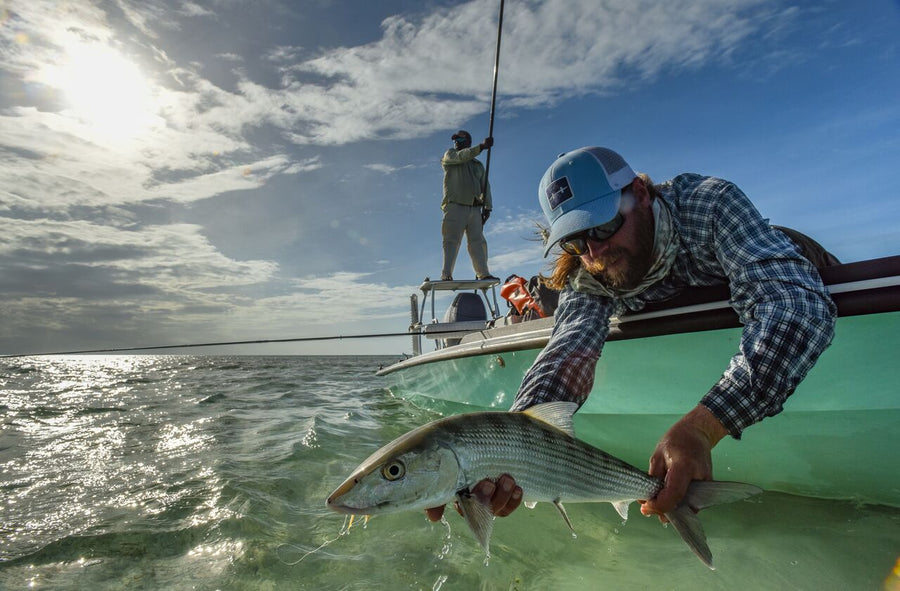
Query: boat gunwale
(859, 288)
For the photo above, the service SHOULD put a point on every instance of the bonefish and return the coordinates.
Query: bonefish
(440, 462)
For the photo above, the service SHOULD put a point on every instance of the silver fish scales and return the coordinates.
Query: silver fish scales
(441, 461)
(547, 464)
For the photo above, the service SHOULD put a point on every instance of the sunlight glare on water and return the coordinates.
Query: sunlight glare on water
(169, 472)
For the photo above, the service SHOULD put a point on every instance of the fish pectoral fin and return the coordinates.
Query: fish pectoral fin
(621, 508)
(478, 517)
(691, 531)
(565, 516)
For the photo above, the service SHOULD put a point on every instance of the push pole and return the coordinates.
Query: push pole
(487, 164)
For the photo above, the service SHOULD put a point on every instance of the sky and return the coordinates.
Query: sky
(185, 172)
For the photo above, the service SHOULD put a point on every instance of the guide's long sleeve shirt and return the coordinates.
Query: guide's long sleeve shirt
(464, 177)
(787, 314)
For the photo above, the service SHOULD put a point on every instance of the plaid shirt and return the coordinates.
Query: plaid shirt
(787, 313)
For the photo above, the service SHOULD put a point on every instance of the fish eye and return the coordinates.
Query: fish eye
(394, 470)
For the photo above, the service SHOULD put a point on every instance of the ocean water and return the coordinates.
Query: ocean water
(195, 472)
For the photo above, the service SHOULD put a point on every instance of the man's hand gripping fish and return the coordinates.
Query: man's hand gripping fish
(440, 462)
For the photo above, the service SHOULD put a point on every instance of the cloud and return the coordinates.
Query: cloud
(44, 171)
(524, 261)
(186, 140)
(519, 229)
(524, 224)
(175, 258)
(78, 257)
(79, 276)
(307, 308)
(389, 169)
(355, 294)
(426, 72)
(423, 74)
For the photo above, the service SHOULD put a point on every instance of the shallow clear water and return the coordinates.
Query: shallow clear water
(173, 472)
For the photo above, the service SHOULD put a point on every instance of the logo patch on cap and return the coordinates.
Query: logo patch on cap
(558, 192)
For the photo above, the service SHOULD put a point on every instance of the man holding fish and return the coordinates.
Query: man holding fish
(626, 242)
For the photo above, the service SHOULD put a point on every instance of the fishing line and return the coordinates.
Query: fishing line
(345, 529)
(227, 343)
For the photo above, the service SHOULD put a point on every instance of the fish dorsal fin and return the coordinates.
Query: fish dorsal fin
(557, 414)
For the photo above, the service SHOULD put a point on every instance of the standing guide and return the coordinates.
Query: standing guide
(466, 205)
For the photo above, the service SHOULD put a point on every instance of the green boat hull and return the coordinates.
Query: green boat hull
(838, 436)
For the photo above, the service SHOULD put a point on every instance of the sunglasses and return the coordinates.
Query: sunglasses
(459, 138)
(577, 243)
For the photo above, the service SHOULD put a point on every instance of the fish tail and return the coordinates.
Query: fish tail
(700, 495)
(706, 493)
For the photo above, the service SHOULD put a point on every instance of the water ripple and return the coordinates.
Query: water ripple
(181, 472)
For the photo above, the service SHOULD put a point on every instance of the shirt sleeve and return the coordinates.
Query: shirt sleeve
(456, 157)
(564, 370)
(787, 313)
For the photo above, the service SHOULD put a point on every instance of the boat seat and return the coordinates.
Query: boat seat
(465, 314)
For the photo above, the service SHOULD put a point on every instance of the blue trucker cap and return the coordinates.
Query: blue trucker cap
(582, 189)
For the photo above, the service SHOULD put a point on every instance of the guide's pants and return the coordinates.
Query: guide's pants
(459, 220)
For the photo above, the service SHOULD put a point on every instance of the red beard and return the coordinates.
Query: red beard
(624, 268)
